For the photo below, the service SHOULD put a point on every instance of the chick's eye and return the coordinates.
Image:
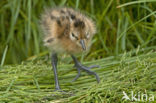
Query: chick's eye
(74, 36)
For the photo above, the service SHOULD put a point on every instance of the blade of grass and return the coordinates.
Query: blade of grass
(4, 55)
(77, 4)
(14, 17)
(136, 24)
(135, 2)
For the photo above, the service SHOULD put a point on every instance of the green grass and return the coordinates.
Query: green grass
(124, 47)
(122, 25)
(33, 81)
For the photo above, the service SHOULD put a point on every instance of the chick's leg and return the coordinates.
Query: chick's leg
(54, 65)
(79, 67)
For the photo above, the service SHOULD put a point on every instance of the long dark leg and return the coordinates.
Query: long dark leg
(54, 65)
(79, 67)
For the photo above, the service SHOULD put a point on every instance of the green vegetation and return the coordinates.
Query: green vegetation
(33, 81)
(124, 47)
(118, 29)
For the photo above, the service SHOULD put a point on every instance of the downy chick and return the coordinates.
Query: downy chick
(67, 31)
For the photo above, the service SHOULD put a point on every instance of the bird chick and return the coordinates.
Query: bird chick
(67, 31)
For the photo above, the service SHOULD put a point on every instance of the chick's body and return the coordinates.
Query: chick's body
(67, 31)
(64, 28)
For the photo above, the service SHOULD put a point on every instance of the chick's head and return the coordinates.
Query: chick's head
(81, 32)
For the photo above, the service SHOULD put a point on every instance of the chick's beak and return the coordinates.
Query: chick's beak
(83, 44)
